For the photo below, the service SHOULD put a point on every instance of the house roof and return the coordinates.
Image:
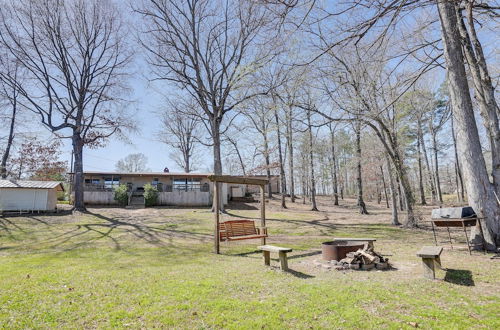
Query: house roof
(147, 174)
(25, 184)
(162, 174)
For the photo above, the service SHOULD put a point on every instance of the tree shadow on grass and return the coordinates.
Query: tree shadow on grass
(241, 206)
(111, 228)
(307, 254)
(459, 277)
(299, 274)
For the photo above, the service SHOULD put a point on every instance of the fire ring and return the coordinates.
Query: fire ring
(338, 249)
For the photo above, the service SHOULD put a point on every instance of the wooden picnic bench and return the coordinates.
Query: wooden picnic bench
(235, 230)
(430, 255)
(266, 251)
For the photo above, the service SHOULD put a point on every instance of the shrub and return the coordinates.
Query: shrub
(150, 195)
(121, 195)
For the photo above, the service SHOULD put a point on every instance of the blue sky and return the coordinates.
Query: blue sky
(147, 103)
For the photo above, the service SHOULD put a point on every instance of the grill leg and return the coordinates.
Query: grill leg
(437, 260)
(434, 232)
(482, 234)
(449, 235)
(466, 238)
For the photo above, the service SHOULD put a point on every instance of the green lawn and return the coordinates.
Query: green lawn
(155, 268)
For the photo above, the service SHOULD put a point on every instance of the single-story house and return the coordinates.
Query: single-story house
(238, 189)
(29, 195)
(180, 189)
(176, 189)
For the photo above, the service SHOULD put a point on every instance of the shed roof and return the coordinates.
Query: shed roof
(25, 184)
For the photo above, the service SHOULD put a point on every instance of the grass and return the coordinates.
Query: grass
(115, 268)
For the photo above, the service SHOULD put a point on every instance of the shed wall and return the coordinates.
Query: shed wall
(23, 199)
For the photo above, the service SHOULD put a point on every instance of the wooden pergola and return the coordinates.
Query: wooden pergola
(217, 179)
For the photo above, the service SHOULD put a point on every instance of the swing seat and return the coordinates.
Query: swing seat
(236, 230)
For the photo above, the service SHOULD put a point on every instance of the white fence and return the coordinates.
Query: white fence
(185, 198)
(99, 197)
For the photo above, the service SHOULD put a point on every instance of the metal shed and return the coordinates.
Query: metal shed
(29, 195)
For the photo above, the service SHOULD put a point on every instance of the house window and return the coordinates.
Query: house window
(156, 183)
(187, 184)
(111, 182)
(92, 181)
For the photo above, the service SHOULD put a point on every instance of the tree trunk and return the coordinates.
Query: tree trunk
(429, 169)
(10, 139)
(400, 195)
(480, 191)
(242, 164)
(385, 186)
(282, 169)
(394, 202)
(359, 180)
(311, 163)
(334, 169)
(289, 141)
(268, 170)
(79, 204)
(484, 89)
(458, 172)
(436, 167)
(217, 159)
(420, 172)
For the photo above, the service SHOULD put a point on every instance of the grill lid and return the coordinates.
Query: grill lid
(453, 213)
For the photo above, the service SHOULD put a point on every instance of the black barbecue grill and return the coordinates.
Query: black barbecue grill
(456, 217)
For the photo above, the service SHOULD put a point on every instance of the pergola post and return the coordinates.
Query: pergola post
(262, 212)
(216, 210)
(217, 180)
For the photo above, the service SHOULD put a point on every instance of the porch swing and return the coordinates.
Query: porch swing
(236, 230)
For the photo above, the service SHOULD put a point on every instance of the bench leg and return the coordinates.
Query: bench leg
(438, 262)
(283, 261)
(267, 257)
(428, 264)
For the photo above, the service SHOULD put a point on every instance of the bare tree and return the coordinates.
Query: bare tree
(133, 163)
(74, 54)
(259, 114)
(233, 141)
(479, 188)
(334, 165)
(378, 19)
(311, 157)
(359, 172)
(438, 118)
(207, 48)
(481, 79)
(10, 94)
(182, 132)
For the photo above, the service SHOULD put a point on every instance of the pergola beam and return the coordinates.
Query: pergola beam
(217, 180)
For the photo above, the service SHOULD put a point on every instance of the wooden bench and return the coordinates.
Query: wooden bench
(235, 230)
(266, 252)
(430, 255)
(368, 240)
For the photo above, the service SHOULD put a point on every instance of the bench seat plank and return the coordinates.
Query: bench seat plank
(238, 238)
(235, 230)
(430, 252)
(272, 248)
